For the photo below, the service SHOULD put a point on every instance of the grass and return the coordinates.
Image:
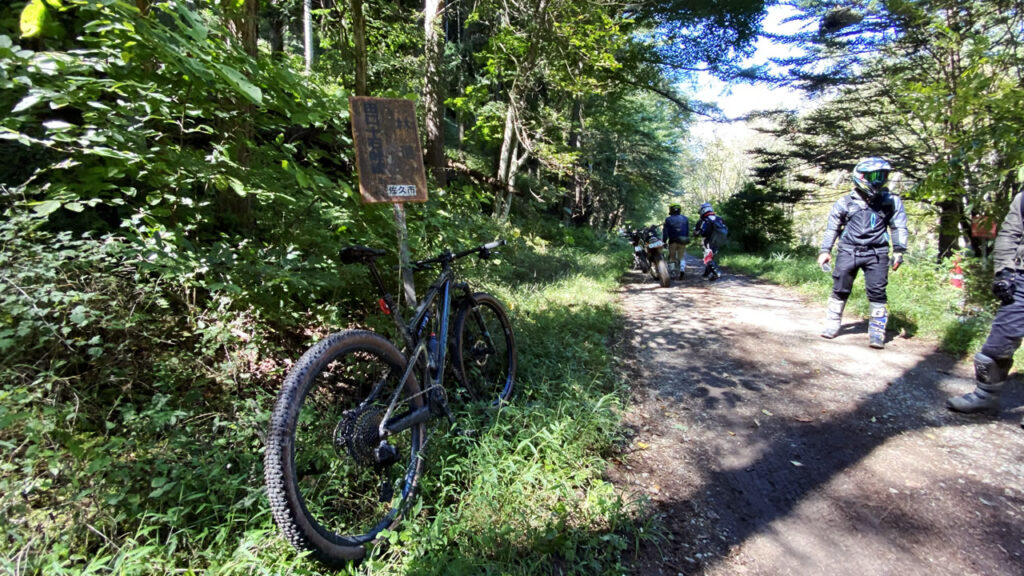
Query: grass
(165, 476)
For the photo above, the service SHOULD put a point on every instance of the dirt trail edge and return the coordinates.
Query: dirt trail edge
(766, 449)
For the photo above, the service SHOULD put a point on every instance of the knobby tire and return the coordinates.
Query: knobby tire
(662, 269)
(327, 496)
(485, 354)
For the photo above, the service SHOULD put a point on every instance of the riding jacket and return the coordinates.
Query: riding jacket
(1009, 250)
(864, 226)
(676, 229)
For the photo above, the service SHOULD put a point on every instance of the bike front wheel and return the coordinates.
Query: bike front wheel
(333, 480)
(485, 354)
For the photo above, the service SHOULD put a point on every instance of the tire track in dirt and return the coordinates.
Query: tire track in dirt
(765, 449)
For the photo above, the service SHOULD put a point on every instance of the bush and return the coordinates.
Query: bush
(757, 222)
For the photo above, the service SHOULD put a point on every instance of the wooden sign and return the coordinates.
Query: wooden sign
(388, 154)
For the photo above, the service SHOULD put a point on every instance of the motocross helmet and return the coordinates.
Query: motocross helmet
(870, 176)
(674, 209)
(706, 209)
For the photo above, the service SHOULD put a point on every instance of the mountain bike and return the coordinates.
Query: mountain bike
(346, 443)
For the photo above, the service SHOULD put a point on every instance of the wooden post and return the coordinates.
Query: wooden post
(408, 284)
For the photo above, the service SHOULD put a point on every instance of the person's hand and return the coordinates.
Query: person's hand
(824, 258)
(1003, 287)
(896, 261)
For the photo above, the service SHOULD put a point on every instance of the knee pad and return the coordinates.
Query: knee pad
(990, 370)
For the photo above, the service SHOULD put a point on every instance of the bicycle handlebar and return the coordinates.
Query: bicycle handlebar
(483, 251)
(365, 254)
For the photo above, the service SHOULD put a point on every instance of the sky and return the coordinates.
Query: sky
(738, 99)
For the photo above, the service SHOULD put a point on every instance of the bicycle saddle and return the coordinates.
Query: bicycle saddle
(354, 254)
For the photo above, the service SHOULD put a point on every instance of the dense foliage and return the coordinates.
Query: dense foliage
(932, 85)
(174, 195)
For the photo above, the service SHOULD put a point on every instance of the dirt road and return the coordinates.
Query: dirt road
(765, 449)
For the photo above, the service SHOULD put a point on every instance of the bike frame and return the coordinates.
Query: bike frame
(416, 345)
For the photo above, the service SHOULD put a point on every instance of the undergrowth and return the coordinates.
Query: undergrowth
(132, 424)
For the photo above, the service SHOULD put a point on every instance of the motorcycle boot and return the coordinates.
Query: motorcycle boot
(833, 317)
(876, 326)
(989, 377)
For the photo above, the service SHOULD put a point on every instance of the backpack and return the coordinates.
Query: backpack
(720, 227)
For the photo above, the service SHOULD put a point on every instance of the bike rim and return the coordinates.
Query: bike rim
(487, 354)
(342, 491)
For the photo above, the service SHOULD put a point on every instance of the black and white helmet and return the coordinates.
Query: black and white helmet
(706, 209)
(870, 176)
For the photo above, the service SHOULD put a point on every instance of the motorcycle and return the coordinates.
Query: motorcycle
(648, 254)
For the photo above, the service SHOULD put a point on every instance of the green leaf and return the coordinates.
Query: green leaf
(46, 207)
(33, 19)
(26, 102)
(79, 316)
(57, 125)
(237, 186)
(236, 79)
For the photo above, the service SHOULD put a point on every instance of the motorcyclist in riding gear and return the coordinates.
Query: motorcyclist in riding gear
(864, 221)
(712, 229)
(992, 365)
(676, 233)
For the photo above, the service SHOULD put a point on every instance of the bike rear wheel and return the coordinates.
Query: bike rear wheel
(333, 484)
(662, 269)
(485, 354)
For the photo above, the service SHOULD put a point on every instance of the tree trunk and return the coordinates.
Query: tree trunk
(250, 27)
(307, 33)
(508, 144)
(243, 20)
(949, 227)
(359, 38)
(576, 181)
(433, 88)
(276, 23)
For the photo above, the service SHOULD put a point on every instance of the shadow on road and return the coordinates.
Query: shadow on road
(788, 436)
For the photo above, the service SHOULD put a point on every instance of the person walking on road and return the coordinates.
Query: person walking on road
(862, 222)
(992, 365)
(676, 233)
(712, 229)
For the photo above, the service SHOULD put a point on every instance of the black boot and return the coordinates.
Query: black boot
(989, 375)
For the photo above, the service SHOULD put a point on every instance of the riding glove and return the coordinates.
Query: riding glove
(1003, 286)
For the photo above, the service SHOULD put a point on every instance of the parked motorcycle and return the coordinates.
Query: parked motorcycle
(648, 253)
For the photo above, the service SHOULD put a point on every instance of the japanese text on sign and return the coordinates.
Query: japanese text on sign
(388, 154)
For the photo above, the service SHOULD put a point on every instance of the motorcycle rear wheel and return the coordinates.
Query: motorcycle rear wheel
(662, 269)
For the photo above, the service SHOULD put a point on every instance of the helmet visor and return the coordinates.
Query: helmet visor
(877, 177)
